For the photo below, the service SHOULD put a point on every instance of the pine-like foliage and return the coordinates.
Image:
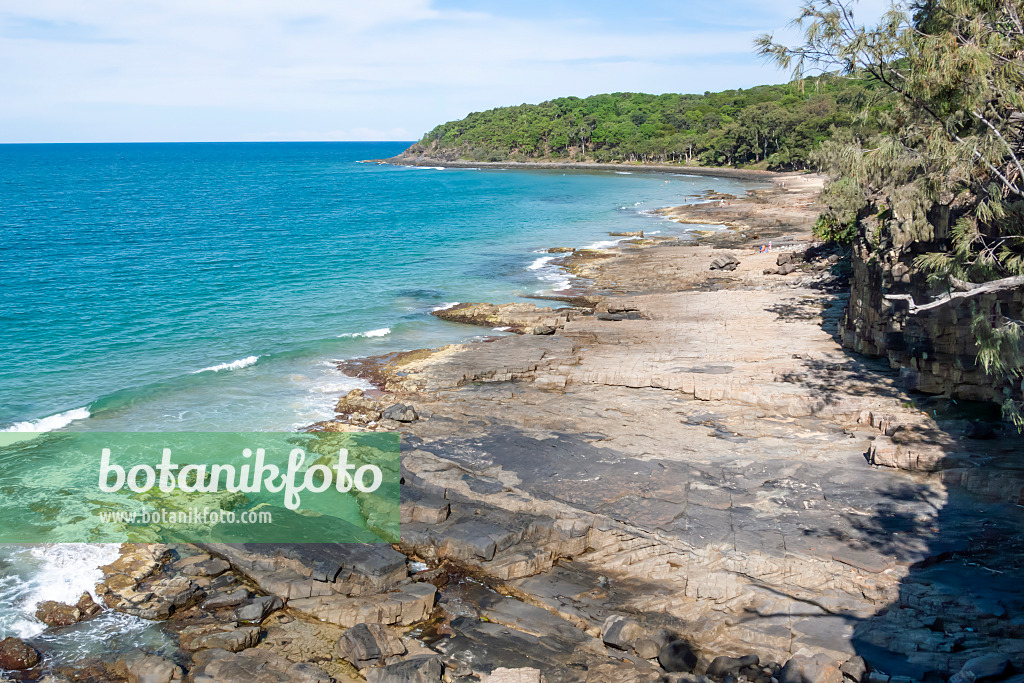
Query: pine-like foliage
(946, 174)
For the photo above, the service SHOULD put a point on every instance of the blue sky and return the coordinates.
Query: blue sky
(184, 70)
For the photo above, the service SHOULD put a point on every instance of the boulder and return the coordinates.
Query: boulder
(230, 599)
(400, 412)
(677, 657)
(419, 669)
(805, 668)
(724, 263)
(986, 666)
(621, 633)
(366, 645)
(53, 613)
(783, 258)
(723, 666)
(17, 655)
(259, 609)
(855, 668)
(139, 667)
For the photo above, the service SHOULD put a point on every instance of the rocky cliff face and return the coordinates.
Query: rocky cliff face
(923, 331)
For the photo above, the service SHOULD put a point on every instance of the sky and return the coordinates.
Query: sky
(259, 70)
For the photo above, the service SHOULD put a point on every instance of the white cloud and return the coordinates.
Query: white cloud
(319, 69)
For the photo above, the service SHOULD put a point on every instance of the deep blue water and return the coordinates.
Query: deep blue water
(128, 268)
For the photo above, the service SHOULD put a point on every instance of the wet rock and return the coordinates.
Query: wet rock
(806, 668)
(230, 599)
(400, 412)
(366, 645)
(17, 655)
(254, 666)
(621, 633)
(58, 614)
(855, 668)
(677, 657)
(219, 636)
(419, 669)
(724, 263)
(259, 609)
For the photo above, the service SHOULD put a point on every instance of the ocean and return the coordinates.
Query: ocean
(214, 287)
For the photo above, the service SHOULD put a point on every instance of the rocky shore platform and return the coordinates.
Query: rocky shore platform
(674, 473)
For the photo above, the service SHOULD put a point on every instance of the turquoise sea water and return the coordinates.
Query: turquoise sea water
(213, 287)
(210, 286)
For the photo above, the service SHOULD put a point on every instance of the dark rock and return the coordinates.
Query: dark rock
(213, 566)
(724, 263)
(400, 412)
(420, 669)
(365, 645)
(750, 661)
(855, 668)
(259, 609)
(979, 430)
(232, 599)
(16, 654)
(723, 665)
(804, 668)
(677, 657)
(223, 581)
(253, 666)
(986, 666)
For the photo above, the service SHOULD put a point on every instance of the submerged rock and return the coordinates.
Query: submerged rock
(17, 655)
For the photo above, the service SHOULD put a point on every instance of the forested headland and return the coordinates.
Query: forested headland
(767, 126)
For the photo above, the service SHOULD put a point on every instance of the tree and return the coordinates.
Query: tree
(945, 177)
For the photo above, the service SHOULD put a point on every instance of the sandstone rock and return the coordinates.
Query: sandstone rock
(400, 412)
(254, 666)
(806, 668)
(355, 403)
(724, 263)
(229, 599)
(783, 258)
(505, 675)
(677, 657)
(219, 636)
(419, 669)
(366, 645)
(17, 655)
(58, 614)
(139, 667)
(621, 633)
(208, 566)
(855, 668)
(259, 609)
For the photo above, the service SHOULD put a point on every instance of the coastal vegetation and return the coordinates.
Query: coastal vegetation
(767, 126)
(941, 184)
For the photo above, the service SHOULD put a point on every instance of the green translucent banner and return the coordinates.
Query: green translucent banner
(215, 487)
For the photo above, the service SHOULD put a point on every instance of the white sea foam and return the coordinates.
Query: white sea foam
(61, 572)
(48, 424)
(380, 332)
(501, 329)
(624, 172)
(445, 306)
(233, 365)
(604, 244)
(540, 263)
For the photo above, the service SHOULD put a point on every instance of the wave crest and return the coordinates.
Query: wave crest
(50, 423)
(233, 365)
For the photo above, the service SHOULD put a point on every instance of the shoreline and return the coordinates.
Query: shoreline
(673, 462)
(721, 172)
